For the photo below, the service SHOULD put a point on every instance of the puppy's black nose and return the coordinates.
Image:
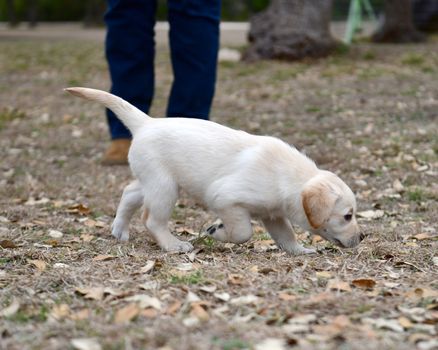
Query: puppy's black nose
(362, 236)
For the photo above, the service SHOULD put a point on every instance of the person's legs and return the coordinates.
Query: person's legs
(130, 50)
(194, 44)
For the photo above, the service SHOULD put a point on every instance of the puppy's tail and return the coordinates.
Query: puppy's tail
(131, 116)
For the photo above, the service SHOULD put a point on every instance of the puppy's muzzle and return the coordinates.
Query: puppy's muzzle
(351, 243)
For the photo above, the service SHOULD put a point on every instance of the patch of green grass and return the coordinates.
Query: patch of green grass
(228, 64)
(416, 195)
(371, 72)
(428, 69)
(264, 237)
(378, 172)
(73, 231)
(285, 73)
(231, 344)
(23, 317)
(412, 59)
(190, 279)
(209, 241)
(20, 317)
(252, 69)
(4, 261)
(342, 49)
(178, 214)
(369, 56)
(363, 308)
(7, 115)
(409, 92)
(313, 109)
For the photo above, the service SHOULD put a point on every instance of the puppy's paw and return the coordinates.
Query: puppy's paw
(120, 232)
(179, 246)
(298, 250)
(217, 231)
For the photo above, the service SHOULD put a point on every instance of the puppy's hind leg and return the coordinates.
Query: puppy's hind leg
(235, 226)
(132, 199)
(282, 232)
(159, 201)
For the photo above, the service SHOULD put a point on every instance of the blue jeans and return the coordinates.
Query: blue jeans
(130, 51)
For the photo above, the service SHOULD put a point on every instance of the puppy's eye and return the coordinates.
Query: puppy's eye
(348, 217)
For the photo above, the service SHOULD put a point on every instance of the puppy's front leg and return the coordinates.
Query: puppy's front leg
(157, 225)
(236, 226)
(132, 199)
(282, 232)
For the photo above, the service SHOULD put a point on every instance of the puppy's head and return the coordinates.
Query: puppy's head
(330, 208)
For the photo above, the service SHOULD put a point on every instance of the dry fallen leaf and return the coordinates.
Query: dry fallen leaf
(405, 322)
(127, 313)
(149, 313)
(235, 279)
(55, 234)
(254, 268)
(335, 284)
(36, 201)
(59, 312)
(382, 323)
(300, 322)
(80, 315)
(39, 264)
(145, 301)
(324, 274)
(364, 283)
(222, 296)
(7, 244)
(245, 299)
(317, 239)
(287, 296)
(199, 311)
(95, 293)
(148, 267)
(186, 231)
(10, 310)
(318, 298)
(271, 344)
(208, 289)
(424, 236)
(333, 328)
(420, 293)
(371, 214)
(86, 344)
(103, 257)
(173, 309)
(90, 223)
(79, 209)
(87, 237)
(185, 267)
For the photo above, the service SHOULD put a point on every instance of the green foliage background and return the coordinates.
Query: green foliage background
(74, 10)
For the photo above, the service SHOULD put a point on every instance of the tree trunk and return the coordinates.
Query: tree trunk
(398, 26)
(94, 13)
(32, 13)
(11, 13)
(291, 30)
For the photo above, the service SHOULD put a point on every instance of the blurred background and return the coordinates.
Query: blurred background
(91, 12)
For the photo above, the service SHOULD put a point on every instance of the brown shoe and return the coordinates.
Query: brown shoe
(117, 152)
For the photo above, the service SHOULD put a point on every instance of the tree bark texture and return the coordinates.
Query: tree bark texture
(291, 30)
(398, 26)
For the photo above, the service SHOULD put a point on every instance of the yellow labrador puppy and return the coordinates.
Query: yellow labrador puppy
(235, 174)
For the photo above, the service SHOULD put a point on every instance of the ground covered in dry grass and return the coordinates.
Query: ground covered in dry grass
(369, 115)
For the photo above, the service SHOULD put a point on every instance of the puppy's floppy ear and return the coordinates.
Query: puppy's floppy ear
(318, 200)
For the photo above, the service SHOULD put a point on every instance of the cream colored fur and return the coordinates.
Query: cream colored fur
(235, 174)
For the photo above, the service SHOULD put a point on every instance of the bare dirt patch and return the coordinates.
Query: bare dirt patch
(369, 115)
